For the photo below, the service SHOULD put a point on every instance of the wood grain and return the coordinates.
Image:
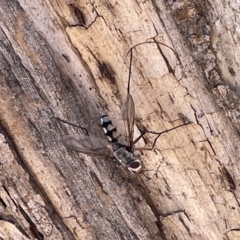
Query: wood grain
(69, 59)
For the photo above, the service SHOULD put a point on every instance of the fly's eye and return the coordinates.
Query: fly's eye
(134, 166)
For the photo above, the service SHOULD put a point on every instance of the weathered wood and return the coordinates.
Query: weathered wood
(69, 59)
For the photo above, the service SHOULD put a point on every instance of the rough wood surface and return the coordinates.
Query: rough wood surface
(69, 59)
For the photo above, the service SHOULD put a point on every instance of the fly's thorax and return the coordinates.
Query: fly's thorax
(127, 159)
(108, 128)
(122, 152)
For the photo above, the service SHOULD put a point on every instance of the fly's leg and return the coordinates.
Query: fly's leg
(155, 140)
(144, 131)
(138, 138)
(85, 131)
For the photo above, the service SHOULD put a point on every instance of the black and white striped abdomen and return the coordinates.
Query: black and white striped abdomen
(108, 128)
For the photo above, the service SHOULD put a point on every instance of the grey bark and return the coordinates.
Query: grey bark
(69, 59)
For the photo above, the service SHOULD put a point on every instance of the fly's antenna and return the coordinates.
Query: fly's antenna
(130, 51)
(130, 70)
(85, 131)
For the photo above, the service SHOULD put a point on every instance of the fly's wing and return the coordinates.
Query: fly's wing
(128, 116)
(92, 146)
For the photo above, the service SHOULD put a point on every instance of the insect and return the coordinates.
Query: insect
(123, 145)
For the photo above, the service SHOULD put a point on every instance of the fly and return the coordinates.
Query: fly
(123, 146)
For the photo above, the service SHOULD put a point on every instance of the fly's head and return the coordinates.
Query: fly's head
(127, 159)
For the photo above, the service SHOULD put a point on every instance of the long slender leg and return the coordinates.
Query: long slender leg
(155, 140)
(138, 138)
(85, 131)
(153, 145)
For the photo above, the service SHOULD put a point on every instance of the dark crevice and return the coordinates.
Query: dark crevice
(170, 69)
(33, 229)
(195, 114)
(210, 144)
(184, 224)
(79, 16)
(13, 220)
(94, 176)
(167, 214)
(158, 11)
(153, 209)
(228, 178)
(2, 203)
(107, 71)
(34, 126)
